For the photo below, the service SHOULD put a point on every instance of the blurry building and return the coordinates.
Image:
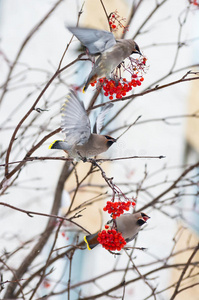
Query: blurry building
(190, 234)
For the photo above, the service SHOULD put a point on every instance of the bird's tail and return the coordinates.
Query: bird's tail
(85, 87)
(56, 145)
(91, 240)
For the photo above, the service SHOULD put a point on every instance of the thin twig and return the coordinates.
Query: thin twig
(128, 128)
(183, 272)
(25, 42)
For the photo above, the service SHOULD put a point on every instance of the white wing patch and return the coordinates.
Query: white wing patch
(75, 123)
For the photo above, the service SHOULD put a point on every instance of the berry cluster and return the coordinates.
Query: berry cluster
(119, 85)
(116, 22)
(112, 21)
(117, 208)
(46, 283)
(194, 2)
(64, 236)
(111, 240)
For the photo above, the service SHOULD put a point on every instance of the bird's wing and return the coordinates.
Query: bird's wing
(95, 40)
(100, 119)
(74, 120)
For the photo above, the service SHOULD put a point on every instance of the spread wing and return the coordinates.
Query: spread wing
(95, 40)
(74, 120)
(100, 119)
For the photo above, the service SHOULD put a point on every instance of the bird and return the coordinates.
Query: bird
(127, 224)
(79, 142)
(111, 52)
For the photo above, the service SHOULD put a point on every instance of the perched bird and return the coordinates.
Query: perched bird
(127, 224)
(80, 143)
(111, 51)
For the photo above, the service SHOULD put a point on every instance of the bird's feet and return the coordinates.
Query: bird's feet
(84, 159)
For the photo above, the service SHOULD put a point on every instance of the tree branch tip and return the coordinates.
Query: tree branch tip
(29, 214)
(143, 249)
(114, 253)
(40, 110)
(162, 156)
(78, 216)
(123, 283)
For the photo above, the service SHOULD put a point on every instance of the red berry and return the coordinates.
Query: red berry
(117, 208)
(46, 284)
(112, 240)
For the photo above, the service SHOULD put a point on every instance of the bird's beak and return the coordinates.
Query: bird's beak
(145, 218)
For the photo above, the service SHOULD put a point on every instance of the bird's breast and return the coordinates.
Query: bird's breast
(95, 145)
(111, 58)
(127, 226)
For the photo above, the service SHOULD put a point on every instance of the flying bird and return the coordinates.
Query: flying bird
(111, 51)
(79, 142)
(127, 224)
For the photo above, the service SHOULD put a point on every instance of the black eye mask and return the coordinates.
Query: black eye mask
(140, 222)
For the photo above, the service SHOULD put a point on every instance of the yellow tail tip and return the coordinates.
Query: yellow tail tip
(85, 240)
(84, 89)
(52, 144)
